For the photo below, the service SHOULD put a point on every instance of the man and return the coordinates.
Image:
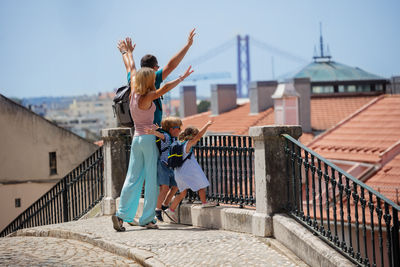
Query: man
(126, 48)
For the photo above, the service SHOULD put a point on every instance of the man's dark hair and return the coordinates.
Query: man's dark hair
(149, 61)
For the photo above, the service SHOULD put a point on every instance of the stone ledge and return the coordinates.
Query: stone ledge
(305, 245)
(221, 217)
(143, 257)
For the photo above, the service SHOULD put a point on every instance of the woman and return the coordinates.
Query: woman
(144, 153)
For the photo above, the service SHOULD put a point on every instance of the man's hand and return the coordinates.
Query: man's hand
(190, 38)
(129, 45)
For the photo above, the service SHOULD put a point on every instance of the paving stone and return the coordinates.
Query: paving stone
(49, 251)
(174, 244)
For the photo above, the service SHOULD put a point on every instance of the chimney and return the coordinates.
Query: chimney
(395, 85)
(303, 87)
(187, 103)
(223, 98)
(260, 95)
(286, 104)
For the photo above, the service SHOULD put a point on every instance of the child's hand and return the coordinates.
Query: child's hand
(152, 129)
(209, 123)
(149, 131)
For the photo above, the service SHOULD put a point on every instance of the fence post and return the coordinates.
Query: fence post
(65, 199)
(270, 173)
(115, 162)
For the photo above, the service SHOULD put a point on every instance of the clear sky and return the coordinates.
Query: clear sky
(68, 47)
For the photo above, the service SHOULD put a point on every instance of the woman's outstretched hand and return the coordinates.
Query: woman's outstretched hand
(129, 45)
(122, 46)
(187, 73)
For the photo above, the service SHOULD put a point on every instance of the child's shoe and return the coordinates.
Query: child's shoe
(171, 215)
(208, 205)
(159, 215)
(151, 225)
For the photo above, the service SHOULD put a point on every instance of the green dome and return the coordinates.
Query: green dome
(330, 71)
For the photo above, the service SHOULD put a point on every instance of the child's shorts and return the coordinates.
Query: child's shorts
(165, 175)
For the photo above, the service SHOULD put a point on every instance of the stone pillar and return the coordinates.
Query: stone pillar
(115, 162)
(270, 173)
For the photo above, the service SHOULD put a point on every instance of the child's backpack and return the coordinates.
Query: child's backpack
(175, 157)
(158, 140)
(121, 106)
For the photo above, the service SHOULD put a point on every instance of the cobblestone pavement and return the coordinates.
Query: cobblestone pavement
(177, 245)
(49, 251)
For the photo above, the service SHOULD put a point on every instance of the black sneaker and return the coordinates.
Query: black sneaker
(159, 215)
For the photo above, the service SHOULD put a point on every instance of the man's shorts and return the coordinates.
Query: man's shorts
(165, 175)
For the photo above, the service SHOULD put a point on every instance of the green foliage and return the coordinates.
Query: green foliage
(203, 106)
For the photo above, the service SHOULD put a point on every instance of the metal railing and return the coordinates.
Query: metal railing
(350, 216)
(69, 199)
(227, 161)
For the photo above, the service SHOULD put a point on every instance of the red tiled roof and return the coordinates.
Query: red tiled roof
(327, 112)
(364, 136)
(236, 121)
(387, 180)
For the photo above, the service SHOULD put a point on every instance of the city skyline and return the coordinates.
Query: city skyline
(66, 48)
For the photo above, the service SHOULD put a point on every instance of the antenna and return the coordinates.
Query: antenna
(323, 57)
(321, 41)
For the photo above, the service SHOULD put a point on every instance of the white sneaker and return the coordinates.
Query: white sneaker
(134, 223)
(208, 205)
(171, 215)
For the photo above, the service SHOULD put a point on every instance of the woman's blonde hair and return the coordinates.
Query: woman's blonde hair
(169, 122)
(188, 133)
(144, 81)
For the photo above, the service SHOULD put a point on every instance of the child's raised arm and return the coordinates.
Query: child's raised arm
(154, 132)
(198, 136)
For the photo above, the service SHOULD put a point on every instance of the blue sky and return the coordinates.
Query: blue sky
(64, 48)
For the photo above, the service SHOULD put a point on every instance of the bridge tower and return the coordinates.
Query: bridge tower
(243, 52)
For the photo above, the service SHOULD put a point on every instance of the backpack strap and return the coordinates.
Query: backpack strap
(170, 140)
(188, 155)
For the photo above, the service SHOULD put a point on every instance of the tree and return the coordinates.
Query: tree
(203, 106)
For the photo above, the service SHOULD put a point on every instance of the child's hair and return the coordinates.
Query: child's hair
(188, 133)
(144, 81)
(169, 122)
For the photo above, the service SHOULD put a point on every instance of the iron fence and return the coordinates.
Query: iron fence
(353, 218)
(227, 161)
(69, 199)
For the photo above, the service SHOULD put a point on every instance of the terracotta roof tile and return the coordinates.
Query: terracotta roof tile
(364, 136)
(387, 180)
(327, 112)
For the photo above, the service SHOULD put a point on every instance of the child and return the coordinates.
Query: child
(190, 175)
(165, 175)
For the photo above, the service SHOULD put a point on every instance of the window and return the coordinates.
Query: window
(17, 202)
(323, 89)
(53, 163)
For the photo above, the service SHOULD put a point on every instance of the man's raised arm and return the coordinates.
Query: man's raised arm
(175, 60)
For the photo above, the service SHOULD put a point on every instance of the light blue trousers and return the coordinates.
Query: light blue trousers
(142, 167)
